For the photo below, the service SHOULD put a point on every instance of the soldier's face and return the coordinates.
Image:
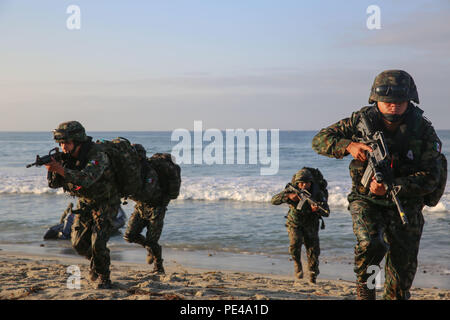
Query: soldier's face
(67, 146)
(392, 107)
(304, 185)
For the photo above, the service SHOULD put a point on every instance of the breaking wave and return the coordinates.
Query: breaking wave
(245, 189)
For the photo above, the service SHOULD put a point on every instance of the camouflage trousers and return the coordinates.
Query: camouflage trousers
(380, 233)
(91, 230)
(152, 218)
(308, 235)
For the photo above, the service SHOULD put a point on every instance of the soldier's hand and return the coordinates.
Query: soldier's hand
(357, 150)
(314, 207)
(293, 197)
(377, 188)
(55, 166)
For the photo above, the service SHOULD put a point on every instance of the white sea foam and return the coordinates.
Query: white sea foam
(18, 184)
(245, 189)
(443, 207)
(440, 207)
(238, 189)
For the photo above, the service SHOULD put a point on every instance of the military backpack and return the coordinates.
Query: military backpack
(432, 199)
(169, 174)
(125, 164)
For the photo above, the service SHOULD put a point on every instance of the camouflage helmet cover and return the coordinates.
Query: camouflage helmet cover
(303, 175)
(70, 131)
(140, 150)
(395, 85)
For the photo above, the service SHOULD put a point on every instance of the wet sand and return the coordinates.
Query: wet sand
(45, 277)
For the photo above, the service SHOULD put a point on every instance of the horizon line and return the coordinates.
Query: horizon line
(281, 130)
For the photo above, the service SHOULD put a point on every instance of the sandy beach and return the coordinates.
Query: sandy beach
(44, 277)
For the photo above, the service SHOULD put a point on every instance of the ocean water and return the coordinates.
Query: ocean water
(221, 208)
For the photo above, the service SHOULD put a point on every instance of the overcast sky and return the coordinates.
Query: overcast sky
(160, 65)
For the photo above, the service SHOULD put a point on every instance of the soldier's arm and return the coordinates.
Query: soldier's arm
(426, 179)
(91, 173)
(280, 198)
(334, 140)
(54, 180)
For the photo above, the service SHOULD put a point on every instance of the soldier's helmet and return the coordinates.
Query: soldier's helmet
(140, 150)
(70, 131)
(393, 86)
(303, 175)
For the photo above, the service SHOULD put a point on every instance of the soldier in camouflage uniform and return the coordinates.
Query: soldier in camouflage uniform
(86, 173)
(149, 212)
(414, 148)
(303, 225)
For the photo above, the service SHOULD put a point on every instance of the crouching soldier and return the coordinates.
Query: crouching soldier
(86, 173)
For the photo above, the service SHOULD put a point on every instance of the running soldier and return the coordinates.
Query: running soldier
(303, 220)
(149, 212)
(414, 166)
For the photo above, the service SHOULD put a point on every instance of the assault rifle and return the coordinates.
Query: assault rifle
(304, 196)
(40, 161)
(379, 163)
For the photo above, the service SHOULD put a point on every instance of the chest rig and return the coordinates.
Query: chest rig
(405, 145)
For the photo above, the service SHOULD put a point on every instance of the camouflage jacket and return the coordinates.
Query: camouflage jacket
(89, 177)
(305, 215)
(414, 149)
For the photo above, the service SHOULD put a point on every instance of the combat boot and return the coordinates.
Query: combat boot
(105, 282)
(158, 268)
(364, 293)
(298, 270)
(312, 278)
(93, 276)
(157, 256)
(150, 257)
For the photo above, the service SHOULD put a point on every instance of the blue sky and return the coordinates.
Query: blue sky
(160, 65)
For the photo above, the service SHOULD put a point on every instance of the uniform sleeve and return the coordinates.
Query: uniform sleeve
(93, 171)
(54, 180)
(426, 179)
(333, 140)
(280, 198)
